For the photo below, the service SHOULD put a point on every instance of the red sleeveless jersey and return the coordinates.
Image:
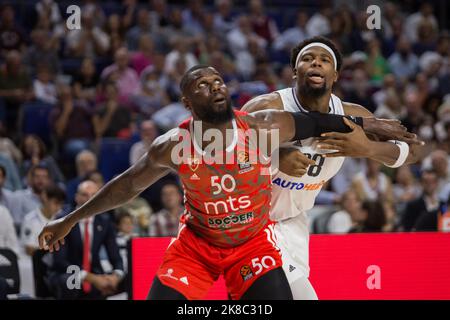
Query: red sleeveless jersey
(226, 203)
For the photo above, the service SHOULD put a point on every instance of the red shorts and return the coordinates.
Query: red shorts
(191, 264)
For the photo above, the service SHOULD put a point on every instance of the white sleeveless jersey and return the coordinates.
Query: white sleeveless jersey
(292, 196)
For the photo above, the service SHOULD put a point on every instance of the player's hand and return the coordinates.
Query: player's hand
(353, 144)
(293, 162)
(390, 129)
(52, 236)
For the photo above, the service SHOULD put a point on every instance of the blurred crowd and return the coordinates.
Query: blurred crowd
(81, 105)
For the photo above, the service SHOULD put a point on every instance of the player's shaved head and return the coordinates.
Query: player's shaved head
(188, 77)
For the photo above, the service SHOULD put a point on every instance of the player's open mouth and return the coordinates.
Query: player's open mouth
(315, 77)
(219, 99)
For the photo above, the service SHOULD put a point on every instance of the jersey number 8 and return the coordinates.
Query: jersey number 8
(314, 171)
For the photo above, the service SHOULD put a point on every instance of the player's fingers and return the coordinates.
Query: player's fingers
(350, 124)
(62, 241)
(334, 155)
(41, 240)
(333, 135)
(305, 161)
(299, 173)
(328, 146)
(336, 142)
(57, 246)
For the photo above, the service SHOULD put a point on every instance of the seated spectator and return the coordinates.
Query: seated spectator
(373, 185)
(181, 48)
(151, 96)
(12, 37)
(15, 85)
(377, 66)
(41, 53)
(6, 196)
(406, 188)
(125, 231)
(351, 214)
(12, 180)
(143, 57)
(126, 78)
(403, 62)
(111, 119)
(115, 33)
(391, 107)
(375, 218)
(148, 133)
(85, 162)
(263, 25)
(52, 199)
(35, 153)
(142, 27)
(164, 223)
(29, 199)
(8, 233)
(43, 86)
(223, 17)
(8, 148)
(421, 214)
(89, 41)
(72, 121)
(141, 211)
(292, 36)
(85, 81)
(87, 237)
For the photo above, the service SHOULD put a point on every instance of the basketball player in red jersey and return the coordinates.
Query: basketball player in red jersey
(225, 228)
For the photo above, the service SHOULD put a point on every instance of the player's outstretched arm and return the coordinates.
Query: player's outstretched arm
(151, 167)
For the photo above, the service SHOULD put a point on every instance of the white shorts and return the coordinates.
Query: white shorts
(293, 240)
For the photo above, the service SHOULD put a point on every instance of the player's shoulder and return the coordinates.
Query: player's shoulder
(354, 109)
(270, 100)
(162, 146)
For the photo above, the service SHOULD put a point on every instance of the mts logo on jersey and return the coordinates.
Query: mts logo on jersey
(227, 184)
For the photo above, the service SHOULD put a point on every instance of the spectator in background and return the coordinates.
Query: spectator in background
(223, 17)
(403, 62)
(87, 237)
(43, 86)
(373, 185)
(151, 96)
(8, 236)
(35, 153)
(239, 37)
(126, 78)
(421, 214)
(112, 120)
(352, 214)
(426, 38)
(15, 87)
(391, 107)
(164, 223)
(406, 188)
(73, 125)
(413, 21)
(286, 78)
(342, 181)
(85, 82)
(52, 198)
(143, 57)
(360, 90)
(159, 14)
(41, 52)
(8, 148)
(438, 161)
(89, 41)
(7, 199)
(85, 162)
(115, 33)
(262, 24)
(50, 9)
(141, 212)
(377, 66)
(292, 36)
(29, 199)
(193, 18)
(180, 50)
(319, 23)
(148, 133)
(12, 37)
(388, 84)
(12, 180)
(375, 218)
(143, 27)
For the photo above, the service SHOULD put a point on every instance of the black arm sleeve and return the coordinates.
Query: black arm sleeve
(313, 124)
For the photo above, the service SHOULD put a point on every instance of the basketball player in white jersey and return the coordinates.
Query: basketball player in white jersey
(316, 63)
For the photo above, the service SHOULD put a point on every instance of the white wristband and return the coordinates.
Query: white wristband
(403, 155)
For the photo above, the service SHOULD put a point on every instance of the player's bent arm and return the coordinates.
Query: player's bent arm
(263, 102)
(147, 170)
(380, 151)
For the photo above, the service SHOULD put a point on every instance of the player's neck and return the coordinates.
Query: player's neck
(311, 103)
(200, 130)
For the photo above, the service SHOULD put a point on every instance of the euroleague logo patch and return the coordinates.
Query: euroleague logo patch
(243, 161)
(246, 272)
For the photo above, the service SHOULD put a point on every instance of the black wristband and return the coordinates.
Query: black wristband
(313, 124)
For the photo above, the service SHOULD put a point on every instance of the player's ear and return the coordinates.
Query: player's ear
(294, 71)
(186, 102)
(336, 76)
